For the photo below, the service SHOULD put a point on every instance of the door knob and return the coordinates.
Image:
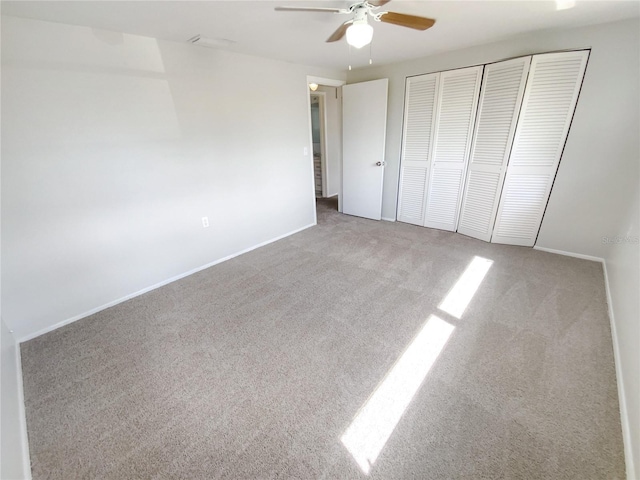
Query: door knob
(381, 164)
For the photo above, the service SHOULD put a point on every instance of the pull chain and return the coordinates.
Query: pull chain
(370, 55)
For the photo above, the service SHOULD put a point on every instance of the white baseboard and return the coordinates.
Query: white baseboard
(26, 458)
(33, 335)
(388, 219)
(622, 399)
(569, 254)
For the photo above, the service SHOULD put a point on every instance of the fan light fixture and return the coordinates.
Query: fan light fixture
(357, 29)
(359, 34)
(313, 87)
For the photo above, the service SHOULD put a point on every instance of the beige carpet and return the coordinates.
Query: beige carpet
(257, 367)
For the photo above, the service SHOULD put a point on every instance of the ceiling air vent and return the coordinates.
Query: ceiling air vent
(210, 42)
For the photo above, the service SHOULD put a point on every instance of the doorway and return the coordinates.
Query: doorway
(325, 107)
(319, 143)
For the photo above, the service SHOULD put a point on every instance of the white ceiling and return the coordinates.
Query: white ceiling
(299, 37)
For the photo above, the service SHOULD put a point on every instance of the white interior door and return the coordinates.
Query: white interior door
(500, 100)
(455, 117)
(364, 126)
(419, 123)
(547, 109)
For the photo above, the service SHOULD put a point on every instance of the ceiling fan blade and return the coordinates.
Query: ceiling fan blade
(309, 9)
(404, 20)
(339, 33)
(378, 3)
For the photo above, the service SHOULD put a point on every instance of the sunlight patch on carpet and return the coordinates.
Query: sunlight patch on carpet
(458, 298)
(368, 433)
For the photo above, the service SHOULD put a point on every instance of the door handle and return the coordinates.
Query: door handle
(381, 164)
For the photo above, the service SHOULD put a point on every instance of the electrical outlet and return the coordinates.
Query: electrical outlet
(205, 222)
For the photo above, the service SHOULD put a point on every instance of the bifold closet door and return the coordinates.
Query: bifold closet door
(547, 109)
(419, 112)
(500, 100)
(458, 92)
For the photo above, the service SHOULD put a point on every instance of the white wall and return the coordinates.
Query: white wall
(333, 114)
(14, 454)
(598, 176)
(599, 166)
(622, 260)
(113, 148)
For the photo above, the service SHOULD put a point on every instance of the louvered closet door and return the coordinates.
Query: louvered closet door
(419, 112)
(458, 93)
(549, 101)
(500, 100)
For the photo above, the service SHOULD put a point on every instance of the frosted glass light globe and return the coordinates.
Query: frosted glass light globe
(359, 35)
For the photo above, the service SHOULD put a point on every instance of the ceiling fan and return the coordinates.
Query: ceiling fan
(358, 31)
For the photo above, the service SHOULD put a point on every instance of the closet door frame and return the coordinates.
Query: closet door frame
(513, 137)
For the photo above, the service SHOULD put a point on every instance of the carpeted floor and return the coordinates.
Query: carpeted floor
(257, 367)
